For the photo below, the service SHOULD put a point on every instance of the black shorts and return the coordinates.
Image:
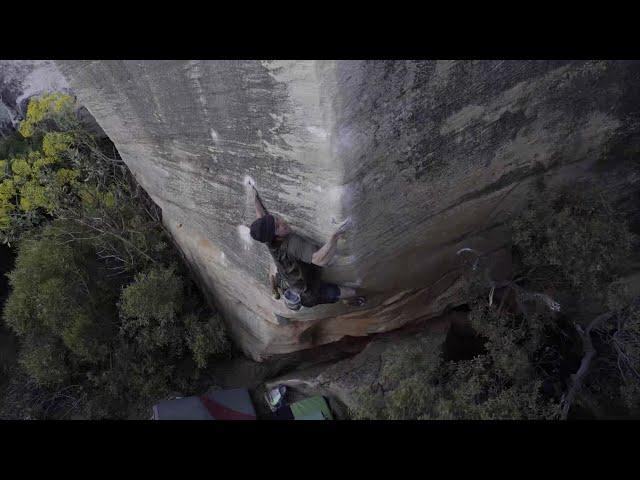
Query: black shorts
(320, 293)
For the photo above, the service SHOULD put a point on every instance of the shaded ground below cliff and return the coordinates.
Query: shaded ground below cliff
(257, 377)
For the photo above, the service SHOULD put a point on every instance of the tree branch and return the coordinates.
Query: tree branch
(577, 379)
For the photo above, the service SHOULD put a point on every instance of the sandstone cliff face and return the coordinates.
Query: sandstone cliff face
(425, 157)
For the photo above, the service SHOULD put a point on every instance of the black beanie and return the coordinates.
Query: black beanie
(264, 229)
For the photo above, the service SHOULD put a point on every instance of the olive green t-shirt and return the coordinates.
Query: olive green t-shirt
(292, 256)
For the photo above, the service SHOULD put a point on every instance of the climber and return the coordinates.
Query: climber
(296, 271)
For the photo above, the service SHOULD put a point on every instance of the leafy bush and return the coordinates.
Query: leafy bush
(155, 295)
(14, 144)
(206, 339)
(64, 306)
(134, 381)
(612, 384)
(55, 293)
(575, 244)
(418, 383)
(44, 360)
(54, 107)
(576, 237)
(149, 307)
(33, 188)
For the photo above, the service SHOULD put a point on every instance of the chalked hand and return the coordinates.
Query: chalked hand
(343, 227)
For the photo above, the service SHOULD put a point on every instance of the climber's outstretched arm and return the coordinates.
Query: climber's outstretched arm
(325, 254)
(260, 210)
(273, 270)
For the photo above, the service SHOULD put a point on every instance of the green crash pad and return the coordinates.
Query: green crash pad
(310, 406)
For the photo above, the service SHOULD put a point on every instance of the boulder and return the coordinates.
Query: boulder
(426, 157)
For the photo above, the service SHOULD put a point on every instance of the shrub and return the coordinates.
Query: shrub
(574, 244)
(44, 281)
(577, 237)
(55, 107)
(54, 294)
(155, 295)
(134, 381)
(418, 383)
(40, 180)
(43, 358)
(14, 144)
(149, 307)
(613, 383)
(206, 339)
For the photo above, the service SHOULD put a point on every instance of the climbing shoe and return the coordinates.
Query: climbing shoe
(356, 301)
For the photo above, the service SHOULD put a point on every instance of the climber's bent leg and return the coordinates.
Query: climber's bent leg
(330, 293)
(319, 294)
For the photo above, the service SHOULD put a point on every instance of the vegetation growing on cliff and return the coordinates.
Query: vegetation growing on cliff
(561, 339)
(107, 317)
(499, 382)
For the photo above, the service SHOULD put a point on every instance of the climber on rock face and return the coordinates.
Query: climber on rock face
(296, 260)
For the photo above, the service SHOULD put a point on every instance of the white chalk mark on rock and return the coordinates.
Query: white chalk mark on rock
(318, 132)
(249, 182)
(245, 236)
